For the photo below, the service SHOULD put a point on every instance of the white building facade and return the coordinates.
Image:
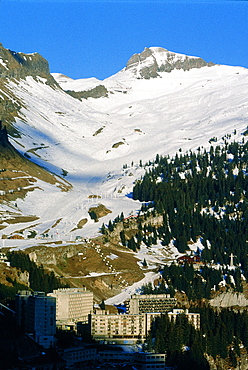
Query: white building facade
(73, 305)
(193, 318)
(130, 328)
(125, 328)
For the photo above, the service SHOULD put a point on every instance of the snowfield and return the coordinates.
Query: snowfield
(99, 144)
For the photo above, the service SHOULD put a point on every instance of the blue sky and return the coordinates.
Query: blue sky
(95, 38)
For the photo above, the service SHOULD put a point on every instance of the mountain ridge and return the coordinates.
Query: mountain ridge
(146, 182)
(144, 65)
(19, 65)
(92, 142)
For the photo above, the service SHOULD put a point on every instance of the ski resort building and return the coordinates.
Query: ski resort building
(73, 305)
(139, 360)
(150, 303)
(130, 328)
(121, 328)
(36, 313)
(193, 318)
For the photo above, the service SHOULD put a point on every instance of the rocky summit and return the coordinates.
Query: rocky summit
(151, 61)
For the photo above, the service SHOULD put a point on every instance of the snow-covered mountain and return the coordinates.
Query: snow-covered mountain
(159, 103)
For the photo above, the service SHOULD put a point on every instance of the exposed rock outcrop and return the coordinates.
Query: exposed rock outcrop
(19, 65)
(18, 174)
(152, 61)
(97, 92)
(238, 363)
(229, 299)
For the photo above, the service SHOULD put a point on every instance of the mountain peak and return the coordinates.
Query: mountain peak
(151, 61)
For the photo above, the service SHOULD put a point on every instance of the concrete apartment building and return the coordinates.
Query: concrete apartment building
(36, 313)
(130, 328)
(136, 323)
(121, 328)
(193, 318)
(150, 303)
(73, 305)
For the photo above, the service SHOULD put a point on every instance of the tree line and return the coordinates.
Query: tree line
(39, 278)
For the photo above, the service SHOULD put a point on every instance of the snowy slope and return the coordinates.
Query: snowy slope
(92, 139)
(82, 84)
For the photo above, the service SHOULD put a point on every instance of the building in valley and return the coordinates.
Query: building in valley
(120, 328)
(130, 328)
(150, 303)
(36, 314)
(193, 318)
(73, 305)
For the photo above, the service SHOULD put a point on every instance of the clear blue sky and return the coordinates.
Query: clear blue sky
(83, 38)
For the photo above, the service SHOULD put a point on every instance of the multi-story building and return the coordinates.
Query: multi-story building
(150, 303)
(76, 357)
(21, 301)
(193, 318)
(36, 313)
(73, 305)
(130, 328)
(120, 327)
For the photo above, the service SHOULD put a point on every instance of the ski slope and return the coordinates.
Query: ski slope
(100, 143)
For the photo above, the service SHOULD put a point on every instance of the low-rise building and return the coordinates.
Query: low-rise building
(147, 361)
(141, 360)
(76, 356)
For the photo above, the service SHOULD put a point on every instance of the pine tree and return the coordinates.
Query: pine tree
(110, 226)
(102, 305)
(123, 238)
(103, 229)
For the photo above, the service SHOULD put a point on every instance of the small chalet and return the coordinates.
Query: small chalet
(189, 259)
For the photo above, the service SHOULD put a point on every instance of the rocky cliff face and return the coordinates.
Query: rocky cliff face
(16, 66)
(152, 61)
(238, 363)
(229, 299)
(19, 65)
